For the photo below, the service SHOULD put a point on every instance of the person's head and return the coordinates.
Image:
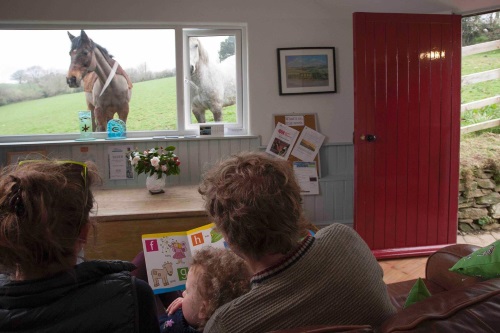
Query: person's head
(216, 276)
(254, 200)
(44, 215)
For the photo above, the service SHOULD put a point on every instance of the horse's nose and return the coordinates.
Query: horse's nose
(71, 82)
(192, 69)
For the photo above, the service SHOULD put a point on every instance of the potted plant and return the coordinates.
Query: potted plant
(157, 164)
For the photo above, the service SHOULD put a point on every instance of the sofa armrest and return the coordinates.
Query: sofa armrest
(439, 263)
(470, 309)
(328, 329)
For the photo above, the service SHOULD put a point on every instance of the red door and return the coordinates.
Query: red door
(406, 131)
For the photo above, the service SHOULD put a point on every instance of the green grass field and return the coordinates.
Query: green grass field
(153, 107)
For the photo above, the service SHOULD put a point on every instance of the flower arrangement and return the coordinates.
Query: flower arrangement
(156, 160)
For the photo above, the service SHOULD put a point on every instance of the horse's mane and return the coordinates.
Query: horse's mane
(203, 54)
(77, 43)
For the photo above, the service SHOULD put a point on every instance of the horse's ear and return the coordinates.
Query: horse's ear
(71, 37)
(84, 36)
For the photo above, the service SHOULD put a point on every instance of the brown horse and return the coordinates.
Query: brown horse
(107, 87)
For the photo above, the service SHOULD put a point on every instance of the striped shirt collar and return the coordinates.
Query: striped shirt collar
(285, 263)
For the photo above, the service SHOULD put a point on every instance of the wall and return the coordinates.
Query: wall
(333, 204)
(479, 202)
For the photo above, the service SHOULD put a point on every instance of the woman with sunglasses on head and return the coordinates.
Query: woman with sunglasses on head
(44, 222)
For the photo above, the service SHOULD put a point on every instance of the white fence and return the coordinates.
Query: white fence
(493, 74)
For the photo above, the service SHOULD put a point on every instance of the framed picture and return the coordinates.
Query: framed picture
(17, 156)
(306, 70)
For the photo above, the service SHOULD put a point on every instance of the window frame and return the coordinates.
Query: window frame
(183, 128)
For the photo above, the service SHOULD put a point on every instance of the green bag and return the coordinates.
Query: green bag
(418, 293)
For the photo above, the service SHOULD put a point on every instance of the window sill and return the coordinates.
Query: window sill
(173, 138)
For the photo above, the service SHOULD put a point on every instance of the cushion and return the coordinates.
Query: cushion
(483, 263)
(417, 293)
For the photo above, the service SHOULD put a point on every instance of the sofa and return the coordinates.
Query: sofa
(459, 303)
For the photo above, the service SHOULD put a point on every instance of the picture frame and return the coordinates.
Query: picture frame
(306, 70)
(17, 156)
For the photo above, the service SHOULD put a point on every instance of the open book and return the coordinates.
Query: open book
(168, 255)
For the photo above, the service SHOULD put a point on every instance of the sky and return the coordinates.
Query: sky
(49, 49)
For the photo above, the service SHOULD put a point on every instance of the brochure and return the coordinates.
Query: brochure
(308, 144)
(282, 141)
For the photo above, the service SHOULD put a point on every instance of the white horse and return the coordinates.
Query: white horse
(213, 84)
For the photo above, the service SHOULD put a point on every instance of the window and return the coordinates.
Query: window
(41, 94)
(213, 77)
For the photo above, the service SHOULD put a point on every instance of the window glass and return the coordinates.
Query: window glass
(37, 98)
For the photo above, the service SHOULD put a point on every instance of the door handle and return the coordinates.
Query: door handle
(368, 137)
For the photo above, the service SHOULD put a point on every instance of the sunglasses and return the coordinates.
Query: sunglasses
(83, 165)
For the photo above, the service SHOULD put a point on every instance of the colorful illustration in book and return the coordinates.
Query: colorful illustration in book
(215, 236)
(179, 249)
(162, 274)
(174, 251)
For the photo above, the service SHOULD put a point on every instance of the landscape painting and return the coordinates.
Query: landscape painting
(306, 70)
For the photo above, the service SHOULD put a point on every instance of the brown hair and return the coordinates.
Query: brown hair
(254, 199)
(224, 277)
(43, 207)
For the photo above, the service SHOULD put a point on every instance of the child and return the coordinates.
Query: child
(216, 276)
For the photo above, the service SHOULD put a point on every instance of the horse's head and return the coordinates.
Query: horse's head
(197, 54)
(82, 58)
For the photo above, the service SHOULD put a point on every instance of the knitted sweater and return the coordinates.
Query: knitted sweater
(332, 279)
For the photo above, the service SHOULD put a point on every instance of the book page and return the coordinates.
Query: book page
(168, 255)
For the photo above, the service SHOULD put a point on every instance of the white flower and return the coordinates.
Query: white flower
(155, 161)
(135, 160)
(164, 168)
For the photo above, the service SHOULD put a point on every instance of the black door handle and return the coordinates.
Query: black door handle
(369, 137)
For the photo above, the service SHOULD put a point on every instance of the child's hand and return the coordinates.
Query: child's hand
(175, 305)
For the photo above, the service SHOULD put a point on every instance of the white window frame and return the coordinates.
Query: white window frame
(181, 33)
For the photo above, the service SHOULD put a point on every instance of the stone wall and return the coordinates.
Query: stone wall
(479, 202)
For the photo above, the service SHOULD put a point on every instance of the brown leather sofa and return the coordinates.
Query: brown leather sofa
(458, 303)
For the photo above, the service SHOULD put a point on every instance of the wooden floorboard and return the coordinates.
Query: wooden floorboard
(396, 270)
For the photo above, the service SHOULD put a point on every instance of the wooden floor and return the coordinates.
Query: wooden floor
(396, 270)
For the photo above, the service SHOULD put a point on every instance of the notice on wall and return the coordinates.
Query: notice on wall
(119, 164)
(307, 176)
(294, 121)
(84, 153)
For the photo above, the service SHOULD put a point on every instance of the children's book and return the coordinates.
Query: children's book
(168, 255)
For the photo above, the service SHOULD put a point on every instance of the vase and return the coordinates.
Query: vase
(154, 184)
